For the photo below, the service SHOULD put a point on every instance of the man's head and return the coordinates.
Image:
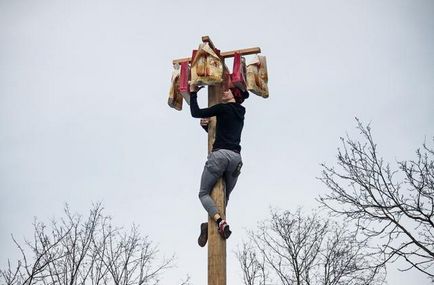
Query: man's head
(238, 94)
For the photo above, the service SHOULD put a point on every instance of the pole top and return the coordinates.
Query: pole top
(226, 54)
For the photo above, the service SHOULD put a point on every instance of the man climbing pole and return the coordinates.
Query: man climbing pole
(206, 67)
(225, 158)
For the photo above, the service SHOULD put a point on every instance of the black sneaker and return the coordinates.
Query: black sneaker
(224, 230)
(203, 237)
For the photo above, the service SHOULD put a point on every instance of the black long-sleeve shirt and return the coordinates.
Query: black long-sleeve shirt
(230, 122)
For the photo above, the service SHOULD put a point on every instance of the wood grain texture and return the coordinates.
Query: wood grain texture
(216, 245)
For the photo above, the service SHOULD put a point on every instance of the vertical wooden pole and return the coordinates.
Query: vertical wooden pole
(216, 245)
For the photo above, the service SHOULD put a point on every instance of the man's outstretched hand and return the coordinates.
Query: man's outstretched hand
(204, 122)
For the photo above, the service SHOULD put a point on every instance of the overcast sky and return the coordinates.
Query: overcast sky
(84, 114)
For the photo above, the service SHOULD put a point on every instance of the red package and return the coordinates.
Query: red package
(239, 71)
(183, 78)
(184, 85)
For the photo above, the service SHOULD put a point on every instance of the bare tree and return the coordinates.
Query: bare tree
(393, 206)
(305, 250)
(253, 265)
(78, 250)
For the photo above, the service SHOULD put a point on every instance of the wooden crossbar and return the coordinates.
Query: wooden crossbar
(226, 54)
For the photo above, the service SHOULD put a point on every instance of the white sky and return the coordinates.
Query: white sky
(84, 115)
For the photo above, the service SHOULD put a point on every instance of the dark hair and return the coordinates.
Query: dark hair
(239, 95)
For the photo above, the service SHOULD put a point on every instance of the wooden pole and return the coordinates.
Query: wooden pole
(216, 245)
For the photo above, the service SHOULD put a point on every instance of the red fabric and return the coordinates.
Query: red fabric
(184, 87)
(238, 76)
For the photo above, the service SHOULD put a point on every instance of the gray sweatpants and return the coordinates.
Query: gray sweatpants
(220, 163)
